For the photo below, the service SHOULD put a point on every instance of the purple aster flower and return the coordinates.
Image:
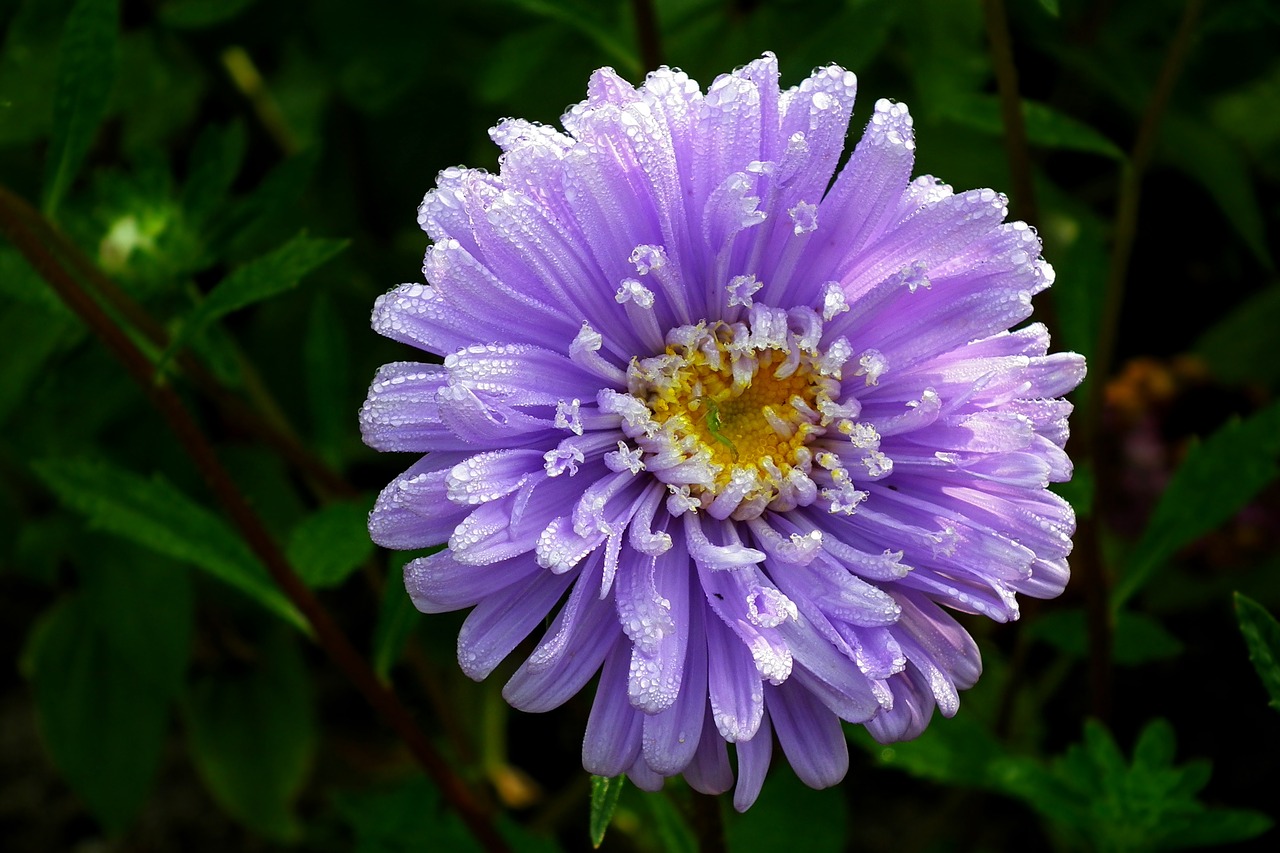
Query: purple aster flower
(743, 432)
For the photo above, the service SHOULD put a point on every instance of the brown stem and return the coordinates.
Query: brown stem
(1090, 561)
(1015, 131)
(708, 824)
(1023, 203)
(16, 217)
(647, 33)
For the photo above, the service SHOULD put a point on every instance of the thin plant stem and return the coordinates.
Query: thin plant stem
(15, 218)
(1015, 130)
(1090, 560)
(647, 33)
(708, 824)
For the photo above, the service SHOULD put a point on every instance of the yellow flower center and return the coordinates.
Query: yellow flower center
(731, 411)
(756, 424)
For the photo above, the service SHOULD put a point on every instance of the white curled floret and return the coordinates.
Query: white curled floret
(805, 218)
(872, 364)
(647, 257)
(631, 290)
(681, 500)
(833, 301)
(566, 456)
(568, 415)
(625, 459)
(741, 288)
(830, 363)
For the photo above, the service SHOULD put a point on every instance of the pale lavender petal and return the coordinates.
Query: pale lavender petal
(503, 619)
(612, 740)
(753, 763)
(809, 734)
(709, 771)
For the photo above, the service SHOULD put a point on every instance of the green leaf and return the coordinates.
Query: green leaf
(1051, 6)
(198, 14)
(604, 799)
(397, 617)
(587, 20)
(1216, 479)
(1139, 638)
(1240, 348)
(257, 215)
(405, 818)
(87, 63)
(31, 339)
(785, 805)
(670, 826)
(327, 356)
(145, 609)
(214, 164)
(330, 544)
(102, 716)
(1045, 126)
(1219, 167)
(955, 751)
(1262, 636)
(257, 280)
(155, 515)
(252, 731)
(1098, 801)
(1076, 239)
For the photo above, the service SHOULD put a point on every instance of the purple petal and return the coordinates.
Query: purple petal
(612, 740)
(810, 735)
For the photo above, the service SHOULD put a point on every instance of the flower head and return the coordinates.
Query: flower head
(743, 431)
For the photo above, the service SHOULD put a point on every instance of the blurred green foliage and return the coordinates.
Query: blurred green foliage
(236, 181)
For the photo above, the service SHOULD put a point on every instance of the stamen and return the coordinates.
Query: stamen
(725, 416)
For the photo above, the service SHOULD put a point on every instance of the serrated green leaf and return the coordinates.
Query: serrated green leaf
(1262, 635)
(1240, 348)
(1044, 125)
(103, 720)
(1216, 478)
(257, 280)
(1098, 801)
(1156, 746)
(604, 799)
(252, 732)
(330, 544)
(156, 515)
(87, 63)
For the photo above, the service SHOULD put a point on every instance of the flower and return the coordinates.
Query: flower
(744, 430)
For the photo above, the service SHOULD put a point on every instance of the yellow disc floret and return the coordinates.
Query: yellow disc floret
(732, 409)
